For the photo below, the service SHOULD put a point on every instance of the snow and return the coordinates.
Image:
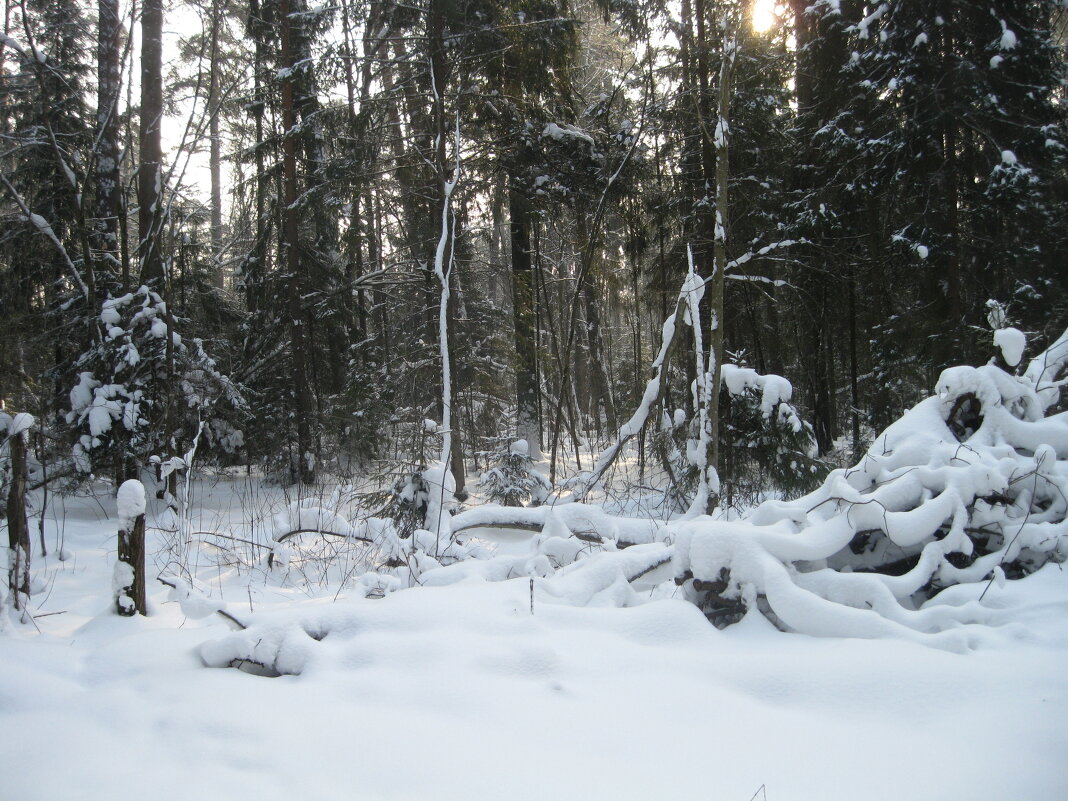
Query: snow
(774, 390)
(1012, 343)
(1008, 157)
(440, 487)
(560, 132)
(1043, 369)
(460, 693)
(1008, 37)
(864, 24)
(41, 224)
(577, 517)
(193, 604)
(307, 515)
(532, 655)
(721, 133)
(13, 44)
(130, 502)
(109, 314)
(101, 414)
(81, 394)
(20, 423)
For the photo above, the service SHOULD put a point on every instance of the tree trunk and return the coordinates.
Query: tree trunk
(215, 149)
(715, 284)
(526, 369)
(18, 531)
(108, 178)
(254, 267)
(304, 469)
(601, 383)
(130, 598)
(150, 170)
(4, 113)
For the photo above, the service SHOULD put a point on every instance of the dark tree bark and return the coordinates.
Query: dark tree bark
(108, 178)
(18, 531)
(150, 170)
(215, 146)
(528, 425)
(303, 404)
(131, 598)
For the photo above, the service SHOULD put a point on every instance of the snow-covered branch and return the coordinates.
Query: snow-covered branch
(43, 226)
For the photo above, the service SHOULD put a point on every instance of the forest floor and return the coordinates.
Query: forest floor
(463, 692)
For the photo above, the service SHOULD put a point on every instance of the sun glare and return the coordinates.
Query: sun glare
(764, 15)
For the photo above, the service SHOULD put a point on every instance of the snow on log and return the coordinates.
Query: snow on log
(929, 506)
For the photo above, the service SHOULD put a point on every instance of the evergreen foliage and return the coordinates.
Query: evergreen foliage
(892, 167)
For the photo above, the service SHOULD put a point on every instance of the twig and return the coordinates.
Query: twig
(661, 561)
(221, 612)
(1008, 547)
(231, 538)
(296, 531)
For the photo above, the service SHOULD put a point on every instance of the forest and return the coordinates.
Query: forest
(322, 323)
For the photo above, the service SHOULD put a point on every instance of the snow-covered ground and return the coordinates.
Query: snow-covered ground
(461, 692)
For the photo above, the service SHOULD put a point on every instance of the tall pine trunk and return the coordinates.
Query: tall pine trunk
(215, 147)
(150, 170)
(304, 469)
(528, 425)
(108, 178)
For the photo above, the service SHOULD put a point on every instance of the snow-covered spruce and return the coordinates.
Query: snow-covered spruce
(117, 403)
(969, 486)
(512, 479)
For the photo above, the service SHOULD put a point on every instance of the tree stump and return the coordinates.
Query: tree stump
(18, 531)
(129, 578)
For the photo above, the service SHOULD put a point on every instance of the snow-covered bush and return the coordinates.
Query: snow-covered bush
(119, 398)
(512, 479)
(969, 486)
(423, 499)
(765, 446)
(410, 497)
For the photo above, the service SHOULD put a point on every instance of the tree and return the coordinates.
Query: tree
(108, 177)
(150, 213)
(18, 535)
(304, 459)
(129, 580)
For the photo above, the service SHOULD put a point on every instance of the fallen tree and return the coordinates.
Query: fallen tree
(968, 487)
